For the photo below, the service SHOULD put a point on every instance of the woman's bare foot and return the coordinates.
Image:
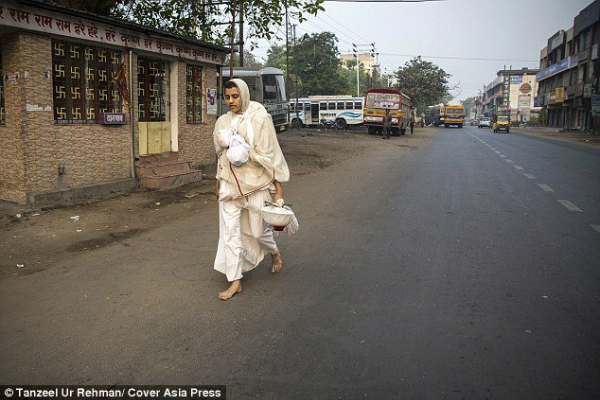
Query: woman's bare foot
(277, 263)
(236, 287)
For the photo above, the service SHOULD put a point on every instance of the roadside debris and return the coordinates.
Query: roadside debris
(20, 265)
(75, 218)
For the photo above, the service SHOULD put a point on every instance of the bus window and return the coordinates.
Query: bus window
(306, 106)
(357, 105)
(348, 105)
(331, 106)
(340, 105)
(323, 106)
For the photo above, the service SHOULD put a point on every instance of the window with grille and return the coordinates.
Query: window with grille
(193, 110)
(2, 111)
(153, 90)
(83, 82)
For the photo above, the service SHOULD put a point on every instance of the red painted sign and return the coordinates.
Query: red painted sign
(525, 88)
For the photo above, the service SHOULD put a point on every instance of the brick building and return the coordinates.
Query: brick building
(90, 105)
(568, 77)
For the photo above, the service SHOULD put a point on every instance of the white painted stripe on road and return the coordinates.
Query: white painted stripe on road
(570, 206)
(509, 160)
(545, 187)
(596, 227)
(518, 167)
(503, 156)
(497, 152)
(530, 176)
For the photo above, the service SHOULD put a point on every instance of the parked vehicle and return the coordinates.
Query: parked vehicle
(502, 124)
(474, 122)
(434, 115)
(377, 101)
(454, 115)
(267, 87)
(343, 111)
(484, 122)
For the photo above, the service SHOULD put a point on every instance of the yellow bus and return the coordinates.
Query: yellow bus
(454, 115)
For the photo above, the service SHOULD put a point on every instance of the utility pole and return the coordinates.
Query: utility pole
(231, 44)
(354, 50)
(296, 71)
(241, 33)
(287, 51)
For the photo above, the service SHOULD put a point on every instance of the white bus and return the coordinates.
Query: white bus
(267, 87)
(343, 110)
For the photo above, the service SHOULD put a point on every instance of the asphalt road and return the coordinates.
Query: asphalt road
(460, 270)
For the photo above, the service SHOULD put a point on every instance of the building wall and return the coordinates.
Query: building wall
(87, 153)
(12, 154)
(38, 155)
(196, 140)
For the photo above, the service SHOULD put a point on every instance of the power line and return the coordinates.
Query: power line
(461, 58)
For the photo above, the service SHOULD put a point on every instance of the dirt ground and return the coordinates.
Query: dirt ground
(33, 240)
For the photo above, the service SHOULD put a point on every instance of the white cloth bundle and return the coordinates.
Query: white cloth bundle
(238, 151)
(290, 228)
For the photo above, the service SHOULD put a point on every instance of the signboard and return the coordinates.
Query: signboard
(525, 88)
(524, 101)
(40, 20)
(596, 105)
(112, 118)
(560, 94)
(557, 41)
(516, 79)
(211, 101)
(553, 69)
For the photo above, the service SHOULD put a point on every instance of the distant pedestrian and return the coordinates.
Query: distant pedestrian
(412, 125)
(387, 124)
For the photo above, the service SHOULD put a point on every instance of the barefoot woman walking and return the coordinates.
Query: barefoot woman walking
(244, 238)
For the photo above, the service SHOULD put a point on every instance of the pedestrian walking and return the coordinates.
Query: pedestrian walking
(387, 124)
(243, 187)
(412, 125)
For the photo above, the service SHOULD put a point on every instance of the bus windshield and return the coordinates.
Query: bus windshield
(274, 88)
(383, 100)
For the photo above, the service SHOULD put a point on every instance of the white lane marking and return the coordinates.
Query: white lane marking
(545, 187)
(509, 161)
(503, 156)
(596, 227)
(497, 152)
(530, 176)
(518, 167)
(570, 206)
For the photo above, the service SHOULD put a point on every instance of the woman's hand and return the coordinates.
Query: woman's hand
(278, 191)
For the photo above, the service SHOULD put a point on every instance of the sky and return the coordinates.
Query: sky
(511, 32)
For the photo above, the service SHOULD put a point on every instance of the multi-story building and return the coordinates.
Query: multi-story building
(568, 76)
(513, 90)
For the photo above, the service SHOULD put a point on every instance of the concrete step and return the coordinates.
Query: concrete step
(163, 182)
(153, 159)
(174, 167)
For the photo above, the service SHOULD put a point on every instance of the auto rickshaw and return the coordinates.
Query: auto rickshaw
(502, 123)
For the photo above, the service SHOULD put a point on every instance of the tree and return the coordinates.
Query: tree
(468, 104)
(424, 82)
(100, 7)
(319, 66)
(205, 19)
(249, 60)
